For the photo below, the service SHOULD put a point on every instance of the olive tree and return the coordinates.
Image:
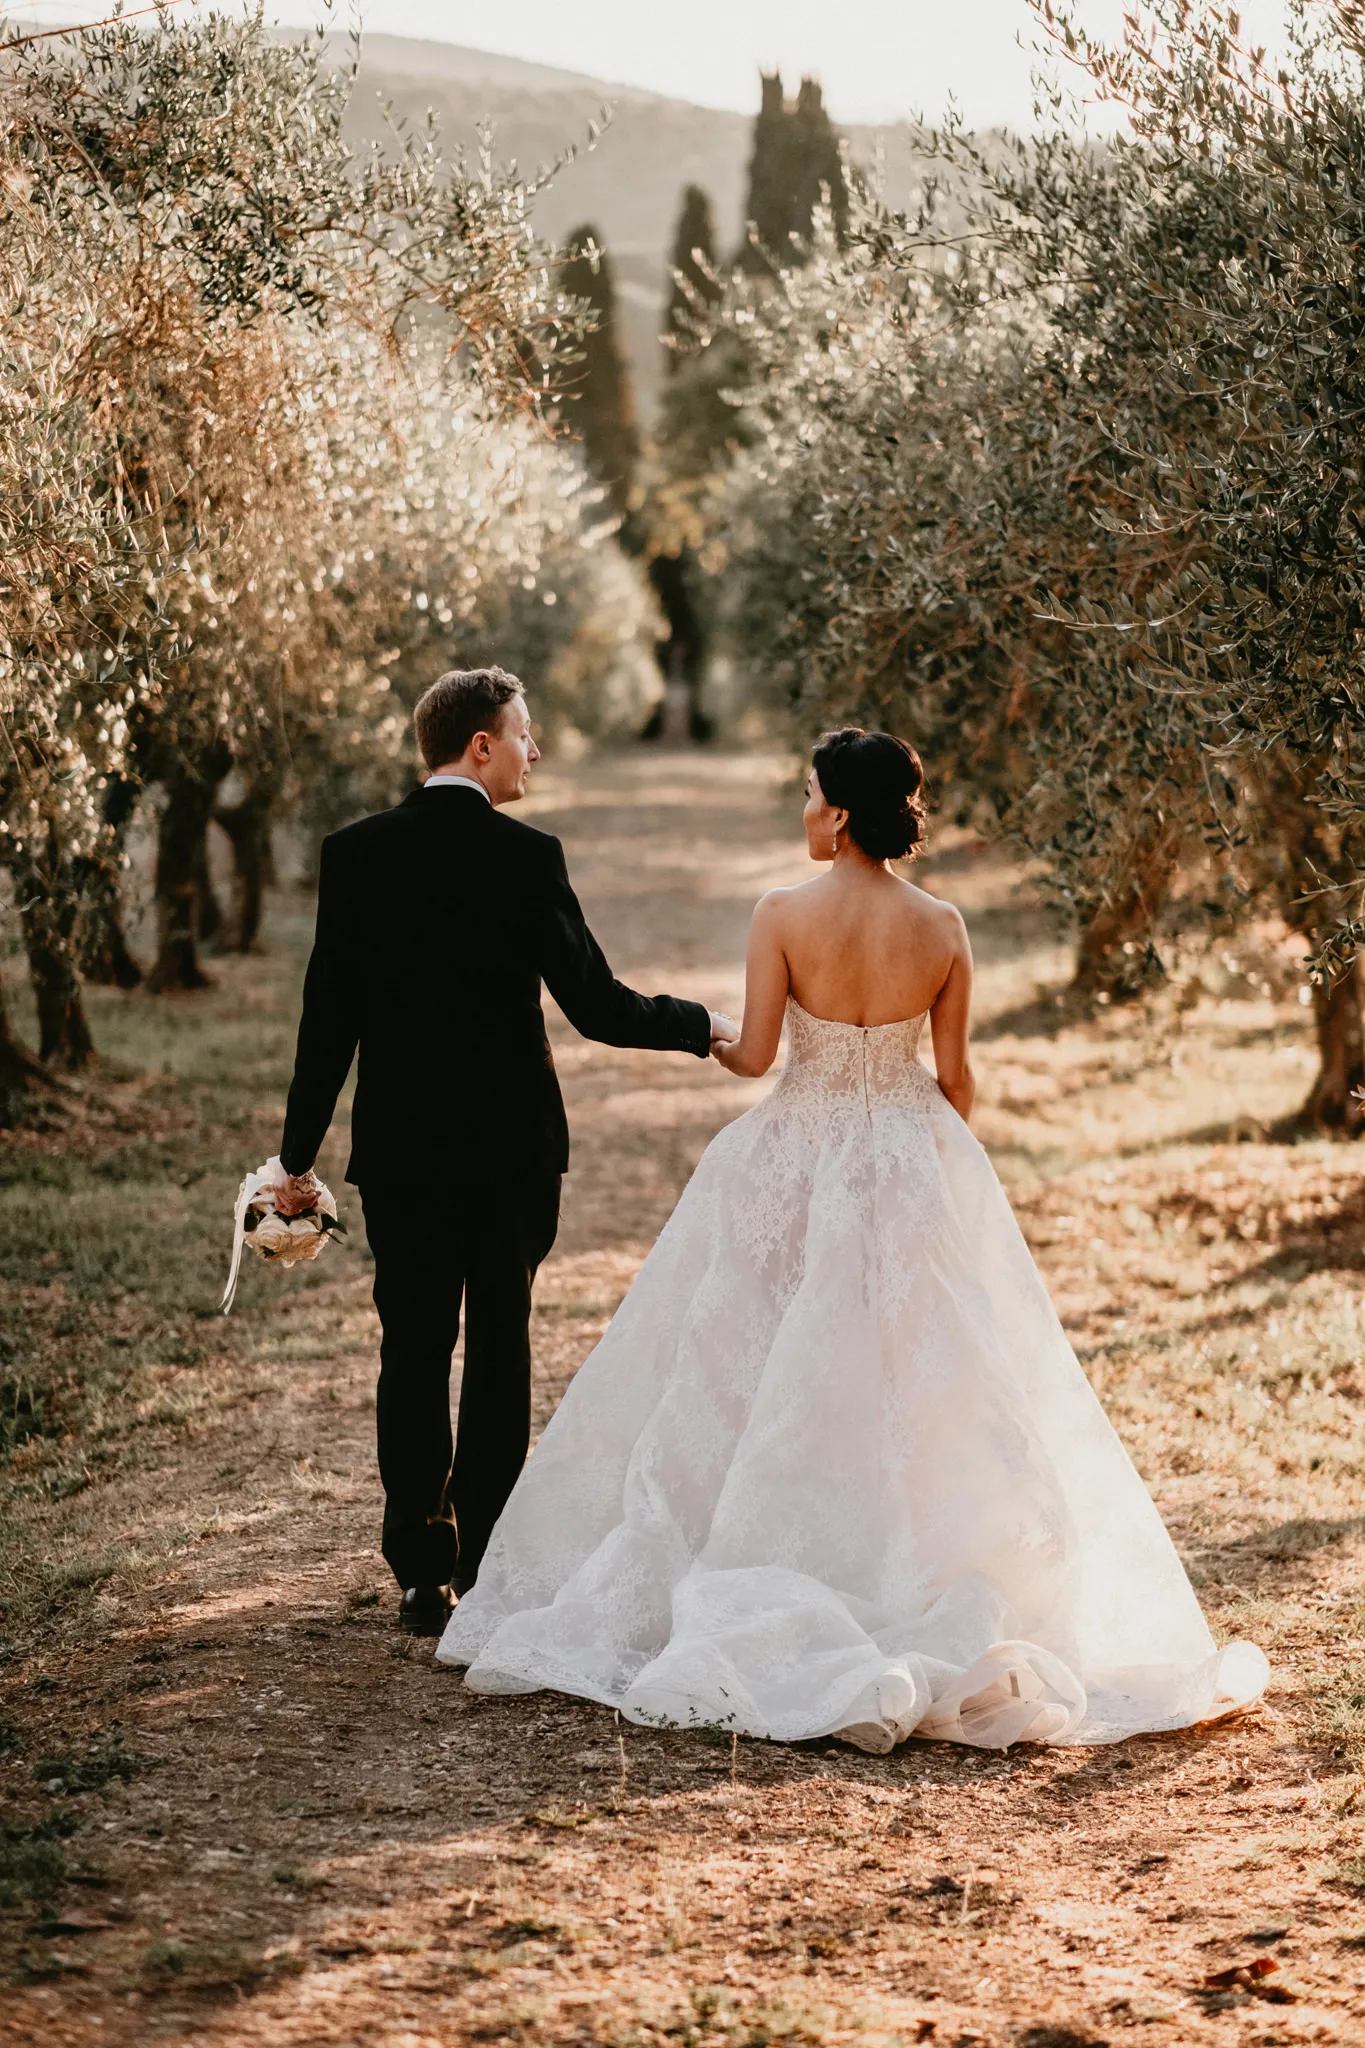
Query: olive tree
(1147, 507)
(1240, 262)
(188, 247)
(930, 490)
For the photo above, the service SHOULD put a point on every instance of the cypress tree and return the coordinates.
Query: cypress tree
(597, 391)
(767, 208)
(796, 151)
(795, 154)
(693, 426)
(695, 284)
(817, 161)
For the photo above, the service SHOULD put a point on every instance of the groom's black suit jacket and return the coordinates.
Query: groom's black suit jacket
(437, 923)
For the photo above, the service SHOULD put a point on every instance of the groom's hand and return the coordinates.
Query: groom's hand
(724, 1030)
(296, 1193)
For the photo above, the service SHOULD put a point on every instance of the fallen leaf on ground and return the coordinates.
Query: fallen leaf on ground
(1240, 1974)
(1253, 1977)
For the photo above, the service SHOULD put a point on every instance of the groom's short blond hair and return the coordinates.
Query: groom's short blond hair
(460, 703)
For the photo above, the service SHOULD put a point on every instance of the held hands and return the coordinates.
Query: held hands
(724, 1040)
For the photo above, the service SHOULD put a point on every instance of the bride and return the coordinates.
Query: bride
(834, 1468)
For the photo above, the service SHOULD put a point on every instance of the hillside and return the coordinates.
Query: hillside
(628, 186)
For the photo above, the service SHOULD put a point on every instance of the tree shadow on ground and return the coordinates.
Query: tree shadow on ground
(1046, 1015)
(1300, 1537)
(1237, 1130)
(1243, 1318)
(1334, 1244)
(1297, 1260)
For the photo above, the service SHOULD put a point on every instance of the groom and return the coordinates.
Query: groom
(437, 923)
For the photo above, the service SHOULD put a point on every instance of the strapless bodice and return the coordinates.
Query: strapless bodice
(869, 1064)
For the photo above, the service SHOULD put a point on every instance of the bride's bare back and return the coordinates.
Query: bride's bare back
(864, 947)
(857, 946)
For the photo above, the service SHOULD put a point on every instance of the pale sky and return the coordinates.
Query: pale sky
(877, 59)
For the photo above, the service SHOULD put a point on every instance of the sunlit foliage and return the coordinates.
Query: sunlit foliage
(271, 454)
(1069, 490)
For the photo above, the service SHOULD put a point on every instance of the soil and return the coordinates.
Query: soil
(284, 1824)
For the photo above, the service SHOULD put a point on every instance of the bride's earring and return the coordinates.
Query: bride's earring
(834, 847)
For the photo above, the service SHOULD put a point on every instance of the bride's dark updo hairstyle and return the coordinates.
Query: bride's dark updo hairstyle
(879, 781)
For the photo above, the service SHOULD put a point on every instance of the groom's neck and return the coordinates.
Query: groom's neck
(470, 770)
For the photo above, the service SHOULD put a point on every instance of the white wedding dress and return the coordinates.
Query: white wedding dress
(834, 1469)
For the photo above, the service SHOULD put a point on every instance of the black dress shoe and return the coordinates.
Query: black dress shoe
(425, 1610)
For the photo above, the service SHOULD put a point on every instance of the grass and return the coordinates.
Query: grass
(113, 1252)
(189, 1578)
(33, 1860)
(89, 1770)
(211, 1967)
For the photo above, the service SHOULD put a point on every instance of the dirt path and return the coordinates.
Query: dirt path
(241, 1809)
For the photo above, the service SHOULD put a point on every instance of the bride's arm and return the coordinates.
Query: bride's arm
(949, 1019)
(765, 996)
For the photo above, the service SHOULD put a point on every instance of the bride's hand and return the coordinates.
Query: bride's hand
(724, 1030)
(726, 1050)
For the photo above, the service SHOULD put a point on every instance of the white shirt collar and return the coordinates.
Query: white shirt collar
(456, 782)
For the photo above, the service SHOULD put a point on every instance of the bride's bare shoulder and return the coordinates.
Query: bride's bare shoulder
(776, 903)
(935, 911)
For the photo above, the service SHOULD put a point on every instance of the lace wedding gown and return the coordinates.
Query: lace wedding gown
(834, 1468)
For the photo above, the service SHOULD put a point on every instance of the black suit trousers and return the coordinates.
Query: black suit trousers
(478, 1246)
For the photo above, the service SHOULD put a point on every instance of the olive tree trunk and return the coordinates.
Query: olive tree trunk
(247, 825)
(105, 955)
(1310, 862)
(681, 654)
(22, 1077)
(1334, 1102)
(49, 910)
(186, 909)
(1116, 953)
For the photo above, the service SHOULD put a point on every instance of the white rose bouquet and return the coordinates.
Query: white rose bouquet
(285, 1239)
